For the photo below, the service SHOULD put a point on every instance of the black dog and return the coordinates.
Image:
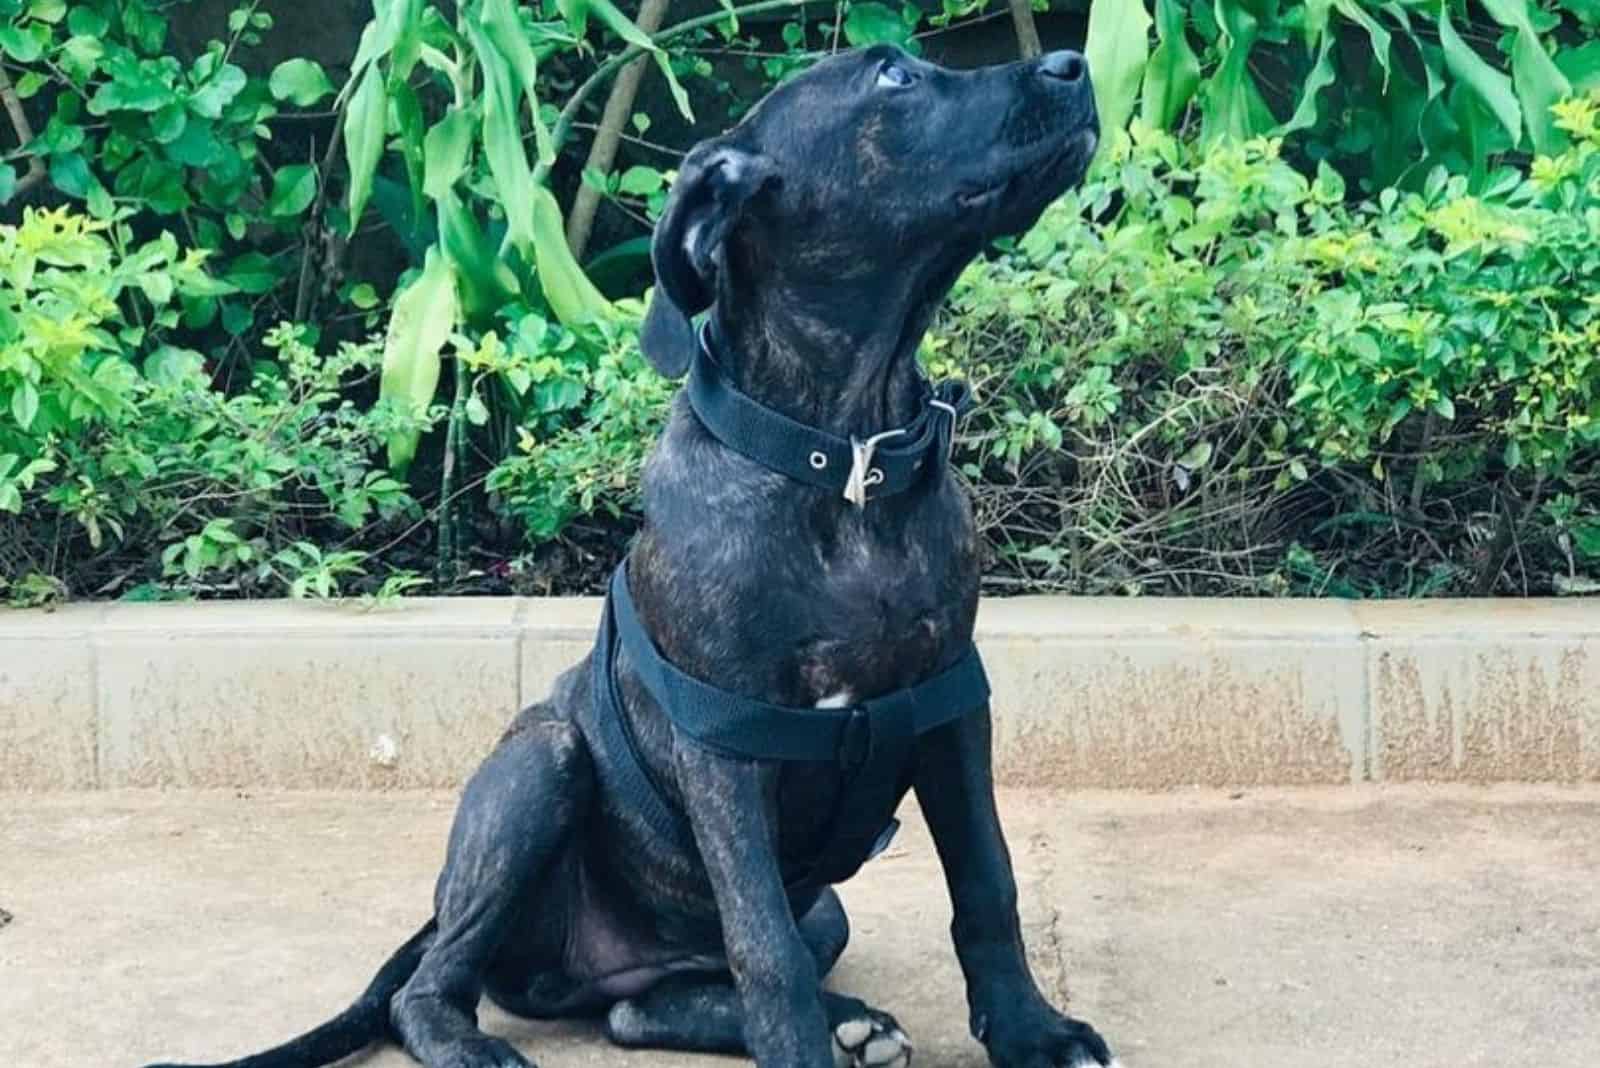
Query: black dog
(822, 232)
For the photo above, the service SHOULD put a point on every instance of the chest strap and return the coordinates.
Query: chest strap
(885, 463)
(871, 742)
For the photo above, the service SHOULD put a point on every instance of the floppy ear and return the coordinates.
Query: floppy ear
(715, 183)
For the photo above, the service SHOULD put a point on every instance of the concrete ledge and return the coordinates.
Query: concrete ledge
(1088, 692)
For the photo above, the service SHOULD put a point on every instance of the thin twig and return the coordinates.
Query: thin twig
(24, 132)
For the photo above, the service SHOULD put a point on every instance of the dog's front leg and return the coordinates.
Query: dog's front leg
(731, 806)
(955, 788)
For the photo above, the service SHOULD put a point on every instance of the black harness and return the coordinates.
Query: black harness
(870, 741)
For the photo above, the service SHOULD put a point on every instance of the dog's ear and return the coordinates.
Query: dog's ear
(715, 184)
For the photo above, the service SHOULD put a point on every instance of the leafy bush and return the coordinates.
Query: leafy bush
(122, 463)
(1205, 374)
(122, 125)
(1388, 89)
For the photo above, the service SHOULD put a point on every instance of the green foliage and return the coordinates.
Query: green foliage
(1388, 89)
(122, 462)
(1203, 373)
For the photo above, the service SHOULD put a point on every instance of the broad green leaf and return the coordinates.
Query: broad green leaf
(1117, 47)
(1581, 65)
(293, 189)
(8, 182)
(86, 22)
(24, 404)
(1380, 37)
(1173, 73)
(252, 273)
(300, 81)
(51, 11)
(624, 28)
(390, 19)
(135, 89)
(572, 297)
(1489, 85)
(422, 319)
(873, 23)
(363, 137)
(168, 124)
(502, 141)
(484, 282)
(445, 150)
(640, 181)
(20, 44)
(218, 92)
(1321, 76)
(503, 27)
(69, 173)
(1538, 81)
(1230, 100)
(408, 122)
(1539, 84)
(364, 296)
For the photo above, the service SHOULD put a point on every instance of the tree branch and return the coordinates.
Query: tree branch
(1027, 31)
(607, 70)
(603, 152)
(24, 131)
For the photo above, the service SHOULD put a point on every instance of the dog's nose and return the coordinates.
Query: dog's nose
(1067, 66)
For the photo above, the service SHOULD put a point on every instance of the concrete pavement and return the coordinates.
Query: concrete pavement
(1320, 928)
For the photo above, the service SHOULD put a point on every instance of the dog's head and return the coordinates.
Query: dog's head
(873, 165)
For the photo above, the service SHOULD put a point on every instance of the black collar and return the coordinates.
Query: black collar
(887, 462)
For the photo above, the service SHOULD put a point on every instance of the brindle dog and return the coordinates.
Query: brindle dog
(822, 232)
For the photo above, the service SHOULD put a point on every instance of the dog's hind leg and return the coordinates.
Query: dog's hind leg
(516, 816)
(701, 1013)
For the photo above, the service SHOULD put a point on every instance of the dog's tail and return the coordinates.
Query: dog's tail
(363, 1023)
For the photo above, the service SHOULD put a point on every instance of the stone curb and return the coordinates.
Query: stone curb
(1089, 692)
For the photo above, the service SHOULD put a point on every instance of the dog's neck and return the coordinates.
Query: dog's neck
(795, 354)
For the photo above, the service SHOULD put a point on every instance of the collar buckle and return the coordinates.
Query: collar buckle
(862, 474)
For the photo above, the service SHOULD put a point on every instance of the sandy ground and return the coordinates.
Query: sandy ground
(1421, 928)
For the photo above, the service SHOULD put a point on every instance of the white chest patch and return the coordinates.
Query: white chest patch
(842, 699)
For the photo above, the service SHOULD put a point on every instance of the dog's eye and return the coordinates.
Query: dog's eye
(891, 76)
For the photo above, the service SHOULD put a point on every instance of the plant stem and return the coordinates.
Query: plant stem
(610, 67)
(24, 132)
(1027, 31)
(603, 151)
(445, 568)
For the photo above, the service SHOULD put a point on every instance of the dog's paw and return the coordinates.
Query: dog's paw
(1048, 1040)
(485, 1052)
(871, 1039)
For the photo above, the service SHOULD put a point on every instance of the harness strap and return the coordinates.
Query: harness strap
(886, 463)
(741, 726)
(871, 742)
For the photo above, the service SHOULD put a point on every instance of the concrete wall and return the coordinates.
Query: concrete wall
(1088, 692)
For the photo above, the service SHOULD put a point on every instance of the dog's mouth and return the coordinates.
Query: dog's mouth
(1044, 173)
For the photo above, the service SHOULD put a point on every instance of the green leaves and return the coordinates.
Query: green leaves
(571, 295)
(445, 151)
(872, 23)
(1173, 72)
(424, 315)
(300, 81)
(619, 24)
(1539, 82)
(1230, 99)
(502, 140)
(363, 136)
(1490, 87)
(293, 189)
(1117, 46)
(217, 92)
